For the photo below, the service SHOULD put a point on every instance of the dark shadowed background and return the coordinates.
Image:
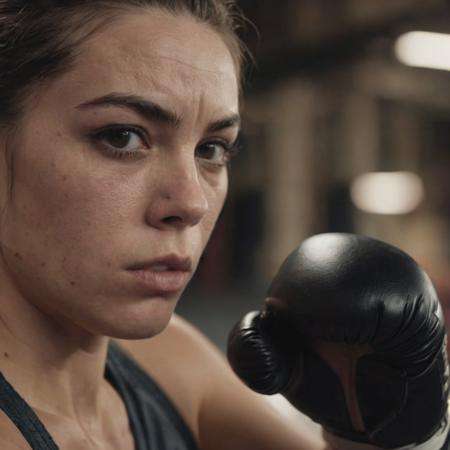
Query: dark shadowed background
(346, 128)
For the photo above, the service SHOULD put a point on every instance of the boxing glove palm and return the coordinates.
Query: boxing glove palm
(352, 334)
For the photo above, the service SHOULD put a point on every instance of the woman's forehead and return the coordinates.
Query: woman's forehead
(156, 33)
(158, 54)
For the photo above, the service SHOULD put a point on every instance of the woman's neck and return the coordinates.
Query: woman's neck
(54, 366)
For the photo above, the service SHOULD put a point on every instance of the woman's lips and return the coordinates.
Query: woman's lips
(161, 282)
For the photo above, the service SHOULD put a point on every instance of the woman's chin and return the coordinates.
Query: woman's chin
(138, 321)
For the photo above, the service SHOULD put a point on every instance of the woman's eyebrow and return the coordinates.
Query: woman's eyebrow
(229, 122)
(146, 108)
(154, 112)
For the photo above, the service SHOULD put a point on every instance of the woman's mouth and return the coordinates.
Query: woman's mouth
(159, 280)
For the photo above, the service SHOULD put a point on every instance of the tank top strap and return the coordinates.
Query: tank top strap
(25, 419)
(155, 421)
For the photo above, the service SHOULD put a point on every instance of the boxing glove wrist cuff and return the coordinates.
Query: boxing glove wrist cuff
(436, 442)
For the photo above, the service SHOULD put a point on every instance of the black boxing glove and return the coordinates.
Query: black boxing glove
(352, 334)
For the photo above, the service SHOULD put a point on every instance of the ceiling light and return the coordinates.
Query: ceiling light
(424, 49)
(387, 192)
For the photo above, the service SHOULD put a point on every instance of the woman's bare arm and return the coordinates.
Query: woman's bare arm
(222, 412)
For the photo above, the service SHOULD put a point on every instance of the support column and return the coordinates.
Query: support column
(290, 172)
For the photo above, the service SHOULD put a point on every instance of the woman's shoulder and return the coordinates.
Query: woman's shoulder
(182, 361)
(181, 347)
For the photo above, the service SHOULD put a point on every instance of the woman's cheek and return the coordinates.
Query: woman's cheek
(217, 194)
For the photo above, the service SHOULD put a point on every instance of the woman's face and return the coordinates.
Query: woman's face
(162, 88)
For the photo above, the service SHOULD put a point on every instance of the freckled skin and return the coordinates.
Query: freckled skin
(78, 217)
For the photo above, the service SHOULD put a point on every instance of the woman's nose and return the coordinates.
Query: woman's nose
(180, 199)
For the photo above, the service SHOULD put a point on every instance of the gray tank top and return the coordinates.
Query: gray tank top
(154, 420)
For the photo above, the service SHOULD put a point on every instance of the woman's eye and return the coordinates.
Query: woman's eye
(121, 141)
(216, 153)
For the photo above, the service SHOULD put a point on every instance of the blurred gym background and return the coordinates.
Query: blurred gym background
(346, 128)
